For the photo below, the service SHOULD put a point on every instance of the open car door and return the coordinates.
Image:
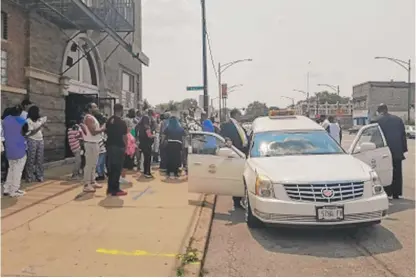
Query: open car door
(370, 147)
(214, 168)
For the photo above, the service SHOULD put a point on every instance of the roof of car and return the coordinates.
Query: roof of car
(288, 123)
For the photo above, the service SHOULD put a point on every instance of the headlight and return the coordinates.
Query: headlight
(264, 187)
(376, 183)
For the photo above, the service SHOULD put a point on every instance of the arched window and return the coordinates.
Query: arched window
(81, 63)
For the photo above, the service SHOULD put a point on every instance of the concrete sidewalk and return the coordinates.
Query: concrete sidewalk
(75, 234)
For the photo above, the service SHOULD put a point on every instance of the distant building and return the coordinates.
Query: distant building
(367, 96)
(342, 111)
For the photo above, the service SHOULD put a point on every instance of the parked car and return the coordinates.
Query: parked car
(354, 129)
(296, 174)
(410, 132)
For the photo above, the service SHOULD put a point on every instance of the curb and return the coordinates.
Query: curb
(198, 242)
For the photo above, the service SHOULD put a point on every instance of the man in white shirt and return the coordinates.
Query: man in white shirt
(334, 129)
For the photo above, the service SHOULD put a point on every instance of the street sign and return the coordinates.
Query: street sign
(194, 88)
(224, 90)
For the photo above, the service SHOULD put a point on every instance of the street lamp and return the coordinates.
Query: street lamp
(307, 98)
(291, 98)
(221, 69)
(406, 66)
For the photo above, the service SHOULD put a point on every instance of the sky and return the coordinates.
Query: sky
(334, 40)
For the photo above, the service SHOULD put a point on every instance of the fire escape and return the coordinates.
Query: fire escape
(110, 16)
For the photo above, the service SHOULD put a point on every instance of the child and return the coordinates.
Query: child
(74, 137)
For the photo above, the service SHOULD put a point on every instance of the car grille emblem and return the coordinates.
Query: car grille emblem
(327, 193)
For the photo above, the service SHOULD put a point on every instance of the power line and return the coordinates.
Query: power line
(210, 54)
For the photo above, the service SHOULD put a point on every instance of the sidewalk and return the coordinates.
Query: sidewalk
(75, 234)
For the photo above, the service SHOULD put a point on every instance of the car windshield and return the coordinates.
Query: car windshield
(266, 144)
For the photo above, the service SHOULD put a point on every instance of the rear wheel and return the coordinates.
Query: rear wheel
(251, 220)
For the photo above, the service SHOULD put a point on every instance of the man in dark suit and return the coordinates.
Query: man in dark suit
(233, 131)
(394, 131)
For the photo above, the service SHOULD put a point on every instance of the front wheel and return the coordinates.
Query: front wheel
(251, 220)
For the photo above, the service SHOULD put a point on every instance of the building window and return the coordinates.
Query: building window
(3, 67)
(127, 92)
(4, 28)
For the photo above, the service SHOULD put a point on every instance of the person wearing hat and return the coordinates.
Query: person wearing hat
(395, 134)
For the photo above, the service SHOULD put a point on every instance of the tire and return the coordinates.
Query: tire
(252, 221)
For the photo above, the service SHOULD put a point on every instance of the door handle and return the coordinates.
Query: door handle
(197, 163)
(385, 156)
(230, 157)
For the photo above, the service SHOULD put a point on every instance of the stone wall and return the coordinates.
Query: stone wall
(16, 44)
(47, 45)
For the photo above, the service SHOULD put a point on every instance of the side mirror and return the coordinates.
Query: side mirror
(366, 146)
(226, 152)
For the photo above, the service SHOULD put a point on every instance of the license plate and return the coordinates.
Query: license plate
(330, 213)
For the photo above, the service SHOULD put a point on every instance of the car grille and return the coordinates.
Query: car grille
(313, 192)
(312, 219)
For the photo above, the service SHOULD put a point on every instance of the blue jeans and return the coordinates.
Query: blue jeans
(101, 164)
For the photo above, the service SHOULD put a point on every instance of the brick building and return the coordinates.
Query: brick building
(367, 96)
(62, 54)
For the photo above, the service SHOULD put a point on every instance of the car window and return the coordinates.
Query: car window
(370, 134)
(267, 144)
(206, 144)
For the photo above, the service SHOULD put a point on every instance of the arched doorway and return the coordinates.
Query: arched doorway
(82, 64)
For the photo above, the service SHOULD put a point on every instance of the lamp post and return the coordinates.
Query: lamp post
(407, 66)
(221, 69)
(291, 98)
(307, 98)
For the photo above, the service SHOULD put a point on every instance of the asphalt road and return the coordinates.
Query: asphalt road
(384, 250)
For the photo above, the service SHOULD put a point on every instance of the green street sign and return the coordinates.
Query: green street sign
(194, 88)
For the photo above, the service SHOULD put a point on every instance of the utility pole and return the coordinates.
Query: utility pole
(204, 57)
(409, 92)
(219, 92)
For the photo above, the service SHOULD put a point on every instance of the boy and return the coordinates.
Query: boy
(74, 136)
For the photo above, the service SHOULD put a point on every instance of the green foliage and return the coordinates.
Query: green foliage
(331, 98)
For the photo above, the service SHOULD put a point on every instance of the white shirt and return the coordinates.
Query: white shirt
(34, 125)
(325, 123)
(88, 137)
(334, 131)
(23, 114)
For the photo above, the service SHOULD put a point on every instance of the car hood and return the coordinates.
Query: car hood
(312, 168)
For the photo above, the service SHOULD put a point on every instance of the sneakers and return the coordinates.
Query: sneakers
(120, 193)
(148, 176)
(17, 193)
(97, 185)
(88, 188)
(100, 178)
(124, 181)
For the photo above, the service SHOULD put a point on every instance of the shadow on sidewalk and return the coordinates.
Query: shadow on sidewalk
(401, 205)
(111, 202)
(7, 202)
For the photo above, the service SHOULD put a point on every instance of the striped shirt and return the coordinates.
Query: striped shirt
(73, 139)
(102, 143)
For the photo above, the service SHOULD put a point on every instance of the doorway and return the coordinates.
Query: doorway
(75, 105)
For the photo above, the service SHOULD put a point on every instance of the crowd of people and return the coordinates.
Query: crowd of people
(108, 147)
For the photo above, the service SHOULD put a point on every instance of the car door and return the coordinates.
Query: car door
(380, 159)
(214, 168)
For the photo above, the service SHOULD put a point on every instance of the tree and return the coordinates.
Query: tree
(256, 109)
(331, 98)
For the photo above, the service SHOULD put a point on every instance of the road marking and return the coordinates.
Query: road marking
(141, 194)
(138, 253)
(134, 253)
